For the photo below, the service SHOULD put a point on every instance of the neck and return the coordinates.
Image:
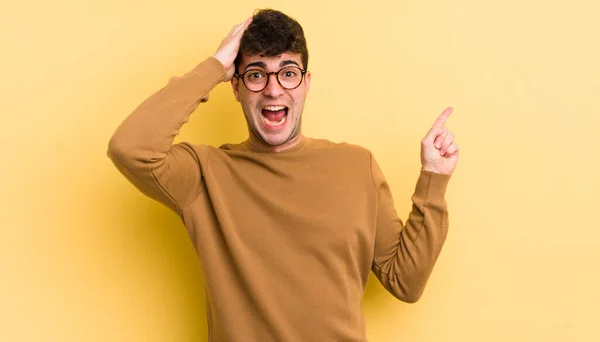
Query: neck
(260, 145)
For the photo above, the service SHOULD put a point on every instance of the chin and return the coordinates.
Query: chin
(276, 139)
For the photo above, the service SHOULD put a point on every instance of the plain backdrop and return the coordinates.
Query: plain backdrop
(85, 257)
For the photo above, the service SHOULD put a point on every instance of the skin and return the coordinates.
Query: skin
(289, 135)
(439, 152)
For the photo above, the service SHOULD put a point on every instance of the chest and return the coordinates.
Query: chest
(296, 204)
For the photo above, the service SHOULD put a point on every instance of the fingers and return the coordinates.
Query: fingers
(447, 142)
(247, 22)
(241, 27)
(443, 140)
(438, 128)
(439, 140)
(440, 137)
(228, 50)
(441, 120)
(236, 33)
(433, 134)
(452, 150)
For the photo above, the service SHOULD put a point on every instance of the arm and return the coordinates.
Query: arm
(406, 254)
(142, 147)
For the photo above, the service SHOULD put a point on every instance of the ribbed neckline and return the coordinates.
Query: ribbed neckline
(302, 145)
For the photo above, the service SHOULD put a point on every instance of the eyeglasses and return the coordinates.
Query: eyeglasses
(256, 80)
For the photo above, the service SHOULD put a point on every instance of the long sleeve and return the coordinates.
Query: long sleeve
(405, 254)
(142, 147)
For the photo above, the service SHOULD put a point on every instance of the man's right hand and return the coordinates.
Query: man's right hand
(229, 47)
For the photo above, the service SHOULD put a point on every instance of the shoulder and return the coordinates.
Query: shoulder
(308, 145)
(349, 156)
(348, 152)
(341, 147)
(312, 148)
(206, 153)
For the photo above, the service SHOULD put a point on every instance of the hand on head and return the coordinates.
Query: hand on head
(228, 50)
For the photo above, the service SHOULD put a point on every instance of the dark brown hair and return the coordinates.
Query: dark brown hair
(270, 34)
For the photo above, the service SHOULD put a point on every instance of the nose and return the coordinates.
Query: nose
(273, 88)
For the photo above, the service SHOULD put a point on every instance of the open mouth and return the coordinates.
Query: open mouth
(274, 116)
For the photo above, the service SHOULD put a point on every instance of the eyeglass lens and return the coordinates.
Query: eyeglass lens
(289, 78)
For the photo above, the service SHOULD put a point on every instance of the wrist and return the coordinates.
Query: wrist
(429, 168)
(434, 170)
(220, 59)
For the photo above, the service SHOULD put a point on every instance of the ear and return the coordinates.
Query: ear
(307, 80)
(235, 85)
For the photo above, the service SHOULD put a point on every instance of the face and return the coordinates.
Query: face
(273, 114)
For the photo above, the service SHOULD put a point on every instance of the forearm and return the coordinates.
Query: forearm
(406, 255)
(147, 134)
(424, 234)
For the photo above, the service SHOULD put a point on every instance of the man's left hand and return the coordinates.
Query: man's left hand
(439, 152)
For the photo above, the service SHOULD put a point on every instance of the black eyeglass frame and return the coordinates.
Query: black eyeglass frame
(276, 73)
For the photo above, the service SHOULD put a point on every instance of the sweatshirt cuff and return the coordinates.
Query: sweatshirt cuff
(431, 185)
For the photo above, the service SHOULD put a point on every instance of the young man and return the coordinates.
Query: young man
(287, 228)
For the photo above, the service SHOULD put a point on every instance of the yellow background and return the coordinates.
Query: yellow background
(85, 257)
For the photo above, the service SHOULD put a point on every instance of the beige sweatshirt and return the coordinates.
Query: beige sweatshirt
(286, 240)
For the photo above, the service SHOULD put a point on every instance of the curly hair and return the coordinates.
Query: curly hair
(270, 34)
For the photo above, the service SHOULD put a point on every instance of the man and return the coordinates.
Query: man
(287, 227)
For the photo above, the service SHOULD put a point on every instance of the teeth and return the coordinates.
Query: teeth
(274, 108)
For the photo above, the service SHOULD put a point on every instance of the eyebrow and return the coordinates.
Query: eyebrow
(288, 62)
(264, 66)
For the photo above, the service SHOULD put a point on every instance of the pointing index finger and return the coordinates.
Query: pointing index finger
(441, 120)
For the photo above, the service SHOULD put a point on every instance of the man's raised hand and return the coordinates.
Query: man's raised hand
(229, 47)
(439, 152)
